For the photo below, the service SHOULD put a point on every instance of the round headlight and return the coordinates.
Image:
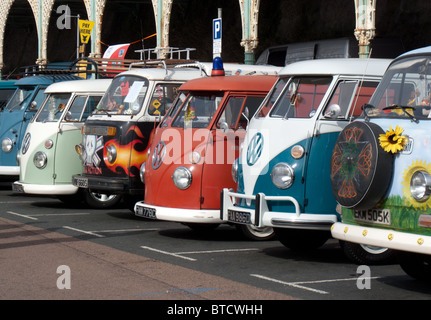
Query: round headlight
(235, 170)
(40, 159)
(111, 153)
(282, 175)
(182, 178)
(420, 185)
(6, 145)
(142, 172)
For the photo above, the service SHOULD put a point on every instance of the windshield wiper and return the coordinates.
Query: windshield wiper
(102, 111)
(394, 106)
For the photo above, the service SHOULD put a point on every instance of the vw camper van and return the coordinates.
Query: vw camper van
(381, 167)
(117, 135)
(47, 157)
(282, 173)
(16, 115)
(192, 151)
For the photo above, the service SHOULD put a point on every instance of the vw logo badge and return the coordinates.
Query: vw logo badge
(254, 149)
(26, 143)
(158, 155)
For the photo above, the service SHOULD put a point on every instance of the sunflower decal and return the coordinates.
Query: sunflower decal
(392, 140)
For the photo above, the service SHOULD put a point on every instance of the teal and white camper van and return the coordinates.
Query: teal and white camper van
(47, 156)
(381, 167)
(282, 173)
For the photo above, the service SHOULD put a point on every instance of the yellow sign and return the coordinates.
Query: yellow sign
(85, 28)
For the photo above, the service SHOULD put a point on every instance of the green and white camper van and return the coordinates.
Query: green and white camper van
(47, 157)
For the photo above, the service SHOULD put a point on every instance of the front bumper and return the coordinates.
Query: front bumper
(379, 237)
(63, 189)
(176, 214)
(106, 184)
(9, 170)
(261, 216)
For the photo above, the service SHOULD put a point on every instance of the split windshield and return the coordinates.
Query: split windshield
(193, 111)
(298, 97)
(404, 91)
(21, 99)
(125, 95)
(53, 107)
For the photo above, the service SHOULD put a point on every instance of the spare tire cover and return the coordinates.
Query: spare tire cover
(361, 170)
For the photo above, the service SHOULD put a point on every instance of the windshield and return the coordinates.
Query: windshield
(404, 91)
(20, 99)
(125, 95)
(299, 97)
(196, 111)
(53, 107)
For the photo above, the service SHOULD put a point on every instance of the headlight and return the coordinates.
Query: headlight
(142, 172)
(111, 153)
(40, 160)
(282, 175)
(420, 185)
(182, 178)
(235, 170)
(6, 145)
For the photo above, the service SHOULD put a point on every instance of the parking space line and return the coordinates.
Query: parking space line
(217, 251)
(298, 284)
(126, 230)
(60, 214)
(168, 253)
(83, 231)
(21, 215)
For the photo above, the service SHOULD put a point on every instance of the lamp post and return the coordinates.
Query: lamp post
(365, 25)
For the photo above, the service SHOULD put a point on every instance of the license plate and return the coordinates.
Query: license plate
(239, 217)
(80, 182)
(379, 216)
(17, 187)
(145, 212)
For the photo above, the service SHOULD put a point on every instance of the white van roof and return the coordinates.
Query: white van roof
(343, 66)
(199, 69)
(89, 85)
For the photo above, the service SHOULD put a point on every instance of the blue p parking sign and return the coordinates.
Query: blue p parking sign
(216, 37)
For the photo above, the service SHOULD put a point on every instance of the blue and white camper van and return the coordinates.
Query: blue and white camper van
(16, 115)
(282, 173)
(381, 167)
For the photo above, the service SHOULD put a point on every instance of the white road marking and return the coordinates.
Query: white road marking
(217, 251)
(126, 230)
(298, 283)
(168, 253)
(83, 231)
(21, 215)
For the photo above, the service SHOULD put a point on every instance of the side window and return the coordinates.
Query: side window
(231, 112)
(82, 107)
(348, 98)
(163, 96)
(252, 104)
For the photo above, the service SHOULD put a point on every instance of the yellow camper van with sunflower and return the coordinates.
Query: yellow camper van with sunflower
(381, 167)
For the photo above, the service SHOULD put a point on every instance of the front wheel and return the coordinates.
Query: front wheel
(416, 265)
(254, 233)
(98, 200)
(302, 239)
(365, 254)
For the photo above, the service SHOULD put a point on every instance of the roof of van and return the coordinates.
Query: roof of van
(231, 83)
(343, 66)
(197, 70)
(98, 85)
(417, 51)
(45, 79)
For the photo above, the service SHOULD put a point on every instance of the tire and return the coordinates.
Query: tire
(361, 171)
(99, 200)
(255, 233)
(370, 255)
(417, 266)
(301, 239)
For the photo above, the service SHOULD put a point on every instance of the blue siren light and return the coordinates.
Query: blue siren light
(218, 69)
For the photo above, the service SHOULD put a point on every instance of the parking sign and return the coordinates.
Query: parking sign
(217, 37)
